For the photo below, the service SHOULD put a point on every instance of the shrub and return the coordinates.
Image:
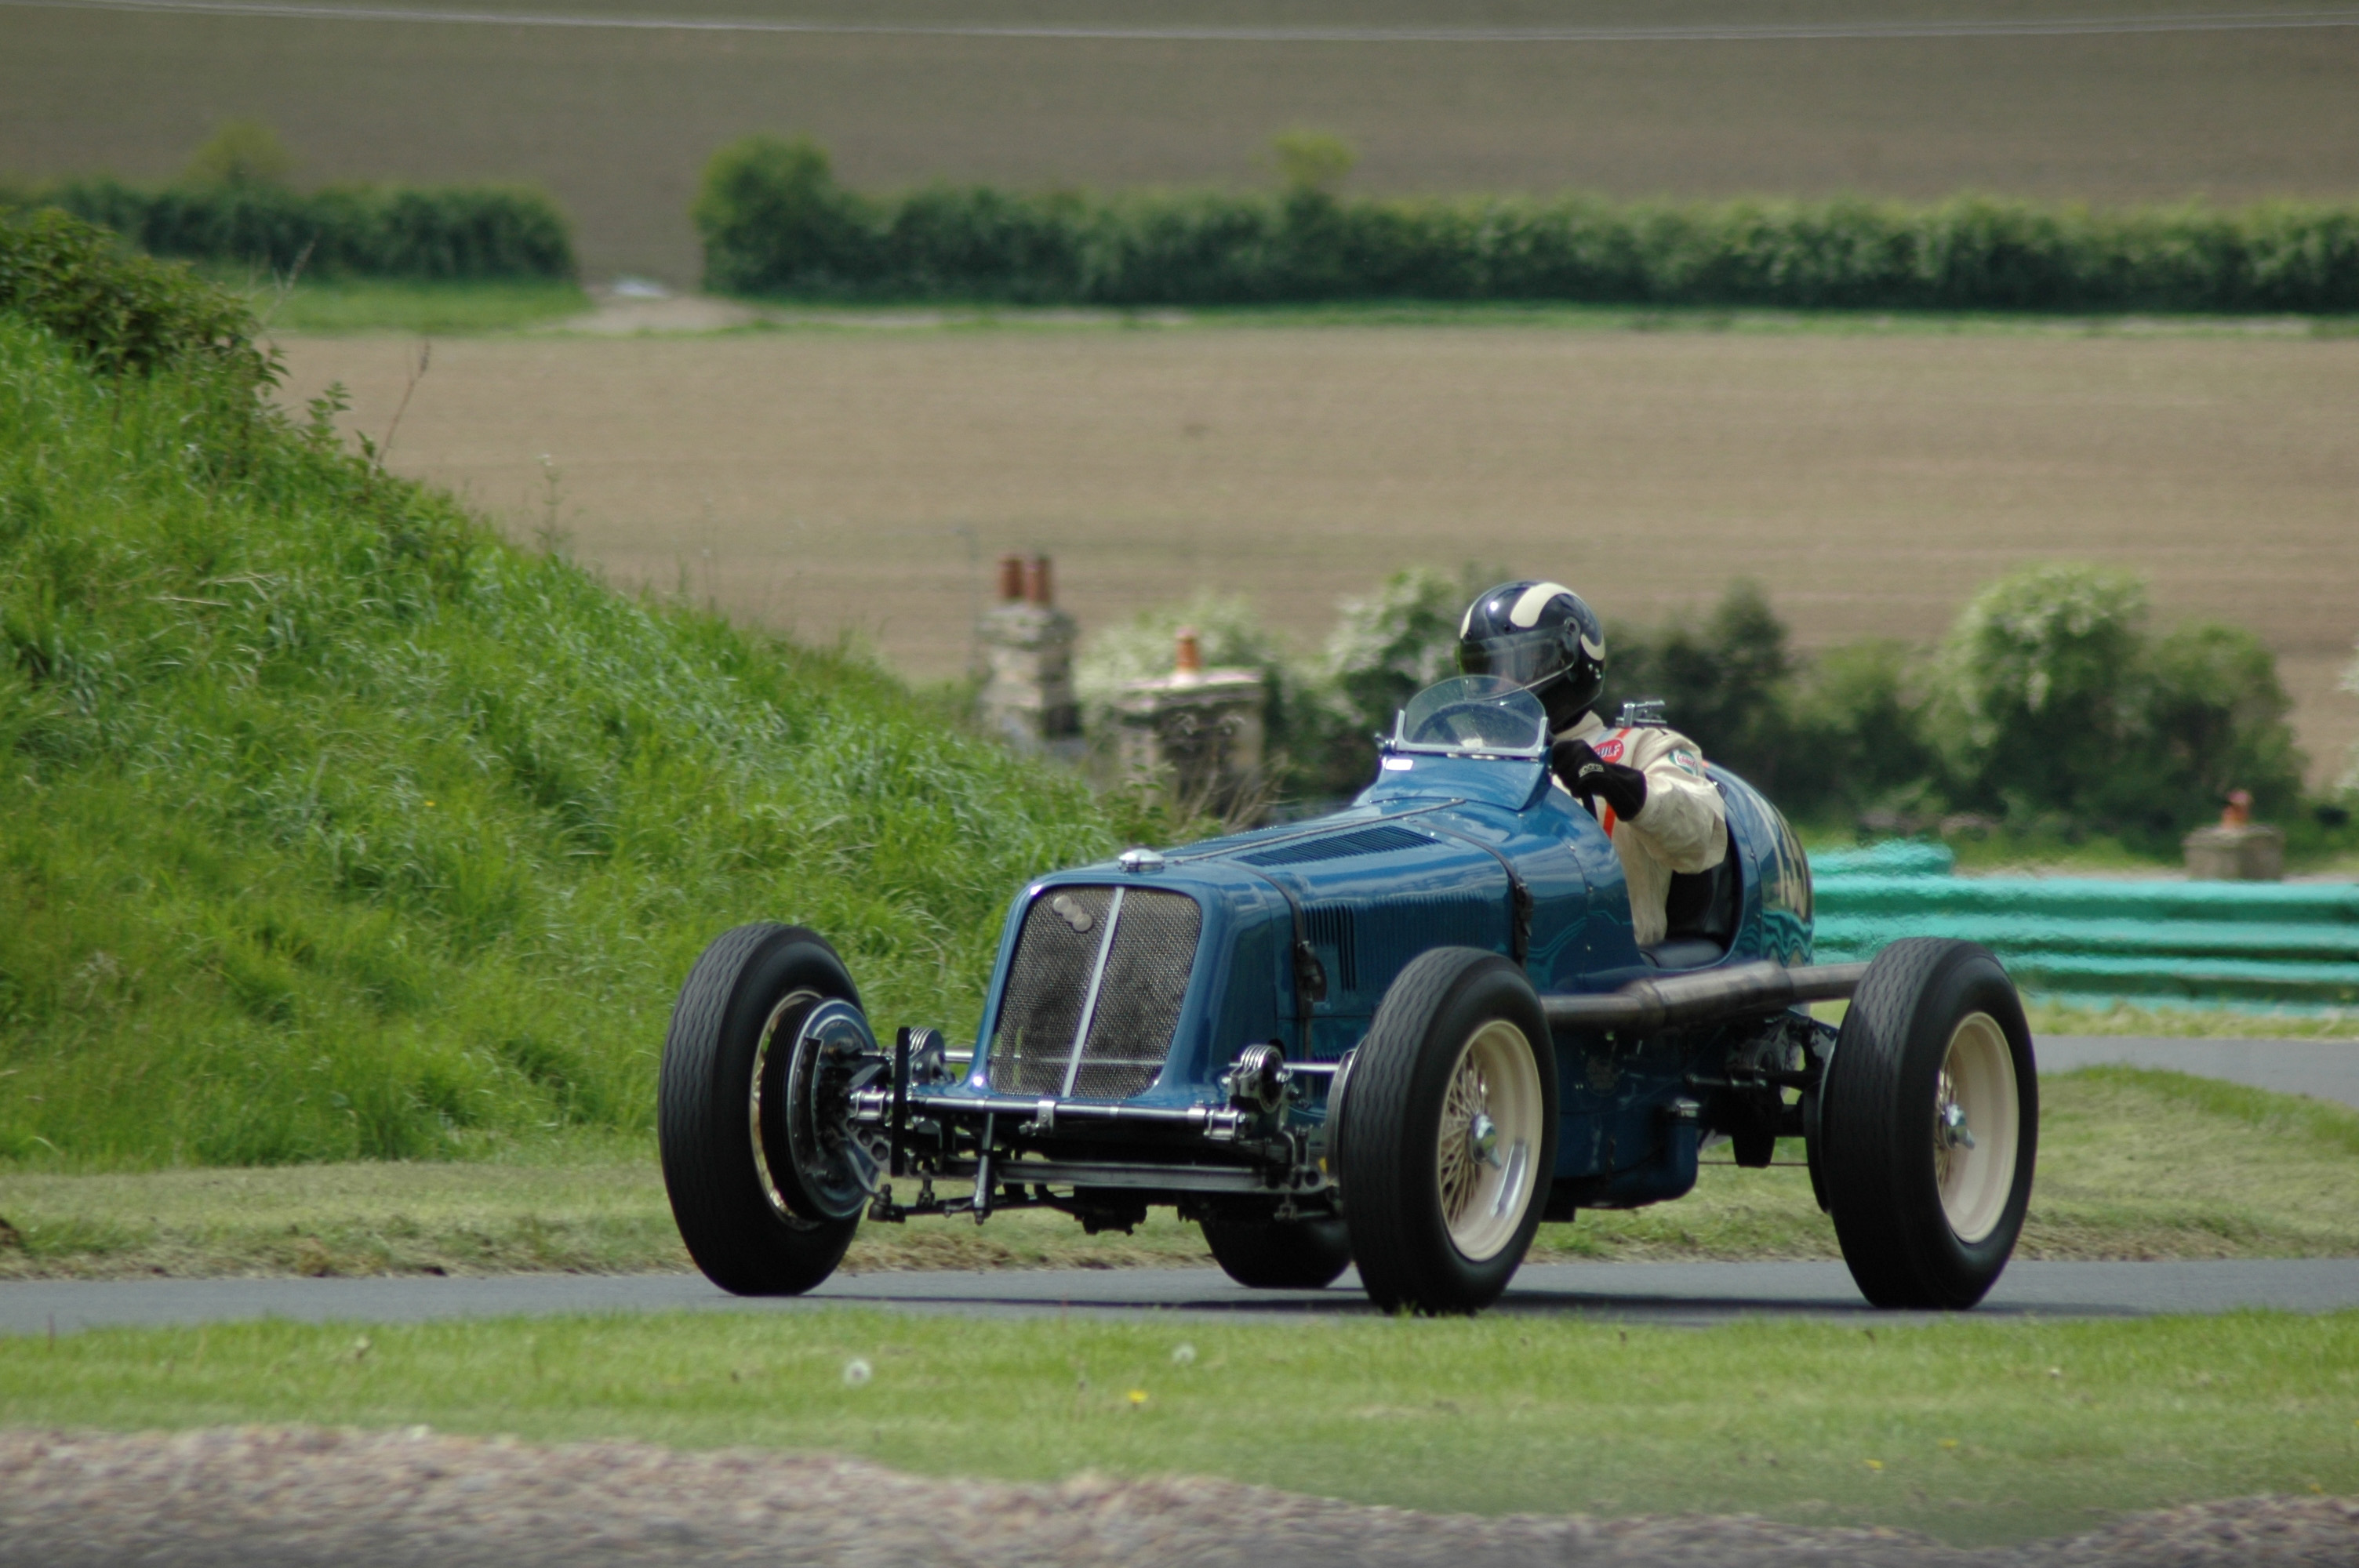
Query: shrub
(1724, 682)
(2216, 721)
(2054, 699)
(445, 232)
(773, 217)
(2046, 702)
(1312, 160)
(2350, 779)
(122, 313)
(2039, 688)
(1385, 649)
(1859, 730)
(240, 152)
(775, 220)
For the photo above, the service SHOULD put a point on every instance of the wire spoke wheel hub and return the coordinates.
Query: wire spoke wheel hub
(810, 1166)
(1490, 1133)
(1977, 1126)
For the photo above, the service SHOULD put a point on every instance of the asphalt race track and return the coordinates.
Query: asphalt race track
(2323, 1069)
(1688, 1295)
(1684, 1295)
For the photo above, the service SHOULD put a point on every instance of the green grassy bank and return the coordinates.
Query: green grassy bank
(331, 827)
(1974, 1430)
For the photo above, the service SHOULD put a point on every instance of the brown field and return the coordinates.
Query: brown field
(618, 124)
(823, 480)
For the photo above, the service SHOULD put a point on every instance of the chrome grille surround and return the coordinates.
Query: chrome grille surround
(1118, 984)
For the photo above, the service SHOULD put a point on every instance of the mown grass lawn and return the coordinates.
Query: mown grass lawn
(2133, 1164)
(1974, 1431)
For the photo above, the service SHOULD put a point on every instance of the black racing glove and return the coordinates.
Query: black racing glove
(1592, 778)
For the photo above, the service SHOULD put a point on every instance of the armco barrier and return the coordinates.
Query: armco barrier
(2240, 943)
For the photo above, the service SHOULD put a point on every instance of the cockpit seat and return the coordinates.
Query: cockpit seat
(1684, 953)
(1702, 909)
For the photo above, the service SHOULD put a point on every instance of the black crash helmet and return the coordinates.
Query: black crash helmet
(1543, 636)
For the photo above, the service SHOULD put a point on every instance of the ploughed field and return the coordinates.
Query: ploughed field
(860, 480)
(618, 123)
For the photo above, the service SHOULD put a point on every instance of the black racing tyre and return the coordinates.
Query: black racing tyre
(1929, 1125)
(747, 1223)
(1447, 1137)
(1280, 1255)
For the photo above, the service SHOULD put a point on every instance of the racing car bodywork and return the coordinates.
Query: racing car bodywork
(1400, 1035)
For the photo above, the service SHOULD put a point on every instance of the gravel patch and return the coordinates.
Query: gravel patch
(275, 1498)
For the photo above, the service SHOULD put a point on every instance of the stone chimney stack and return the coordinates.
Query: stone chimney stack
(1028, 693)
(2238, 849)
(1197, 731)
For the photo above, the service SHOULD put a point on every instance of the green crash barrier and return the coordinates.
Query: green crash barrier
(2091, 939)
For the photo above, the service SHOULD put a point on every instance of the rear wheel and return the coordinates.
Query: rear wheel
(1280, 1255)
(1928, 1126)
(764, 1180)
(1447, 1136)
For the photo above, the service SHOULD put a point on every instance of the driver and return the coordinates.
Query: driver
(1646, 785)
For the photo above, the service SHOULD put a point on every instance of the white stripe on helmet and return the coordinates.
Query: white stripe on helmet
(1595, 649)
(1527, 610)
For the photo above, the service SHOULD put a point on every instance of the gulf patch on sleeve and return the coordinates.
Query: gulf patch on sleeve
(1609, 749)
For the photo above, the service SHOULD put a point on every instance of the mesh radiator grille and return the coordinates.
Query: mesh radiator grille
(1138, 992)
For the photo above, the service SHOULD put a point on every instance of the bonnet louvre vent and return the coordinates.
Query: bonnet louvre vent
(1339, 846)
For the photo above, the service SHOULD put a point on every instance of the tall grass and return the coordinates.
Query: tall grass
(775, 221)
(331, 826)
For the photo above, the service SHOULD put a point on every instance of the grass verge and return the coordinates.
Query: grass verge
(2133, 1164)
(1976, 1430)
(342, 305)
(2055, 1015)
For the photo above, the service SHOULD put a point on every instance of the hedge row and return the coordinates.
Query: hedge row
(450, 232)
(775, 221)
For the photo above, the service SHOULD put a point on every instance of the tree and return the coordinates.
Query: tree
(2216, 720)
(2040, 688)
(1312, 160)
(773, 217)
(240, 152)
(1723, 682)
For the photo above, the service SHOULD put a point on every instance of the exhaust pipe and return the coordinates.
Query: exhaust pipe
(1690, 998)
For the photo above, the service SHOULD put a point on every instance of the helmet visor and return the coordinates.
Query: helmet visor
(1527, 658)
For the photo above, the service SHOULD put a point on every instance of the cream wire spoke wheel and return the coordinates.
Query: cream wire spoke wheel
(1444, 1132)
(1975, 1127)
(1927, 1125)
(1490, 1129)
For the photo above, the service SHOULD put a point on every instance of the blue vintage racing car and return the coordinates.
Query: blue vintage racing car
(1398, 1037)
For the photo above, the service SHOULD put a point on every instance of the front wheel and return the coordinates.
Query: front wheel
(1928, 1126)
(766, 1185)
(1446, 1136)
(1280, 1255)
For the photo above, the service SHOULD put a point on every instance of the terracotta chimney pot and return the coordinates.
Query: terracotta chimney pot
(2239, 811)
(1040, 585)
(1190, 653)
(1011, 578)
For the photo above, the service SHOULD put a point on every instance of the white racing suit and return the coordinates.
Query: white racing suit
(1683, 827)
